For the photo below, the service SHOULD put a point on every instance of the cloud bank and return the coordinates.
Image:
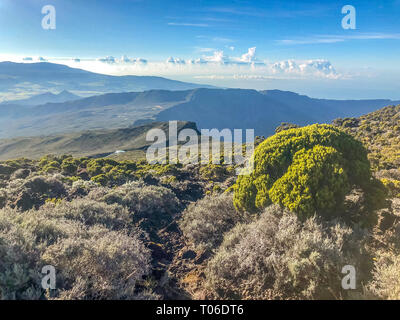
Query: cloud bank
(215, 65)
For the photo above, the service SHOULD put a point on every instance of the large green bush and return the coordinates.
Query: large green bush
(308, 170)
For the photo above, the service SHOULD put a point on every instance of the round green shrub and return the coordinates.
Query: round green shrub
(69, 166)
(308, 170)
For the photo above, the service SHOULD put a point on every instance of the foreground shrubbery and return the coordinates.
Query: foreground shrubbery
(279, 257)
(152, 207)
(56, 212)
(90, 212)
(80, 238)
(205, 222)
(92, 261)
(101, 264)
(19, 267)
(386, 282)
(131, 230)
(26, 194)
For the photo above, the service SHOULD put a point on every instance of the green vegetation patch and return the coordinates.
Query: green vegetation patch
(308, 170)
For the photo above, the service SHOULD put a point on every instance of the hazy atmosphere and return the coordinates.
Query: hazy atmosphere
(288, 45)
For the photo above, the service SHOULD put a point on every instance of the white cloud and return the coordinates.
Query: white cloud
(249, 56)
(175, 60)
(126, 59)
(220, 39)
(140, 60)
(203, 25)
(217, 57)
(322, 68)
(123, 60)
(339, 38)
(213, 66)
(108, 59)
(204, 50)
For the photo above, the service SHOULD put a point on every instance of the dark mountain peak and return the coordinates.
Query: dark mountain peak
(64, 92)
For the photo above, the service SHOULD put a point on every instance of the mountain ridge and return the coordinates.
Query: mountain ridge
(208, 108)
(43, 98)
(44, 76)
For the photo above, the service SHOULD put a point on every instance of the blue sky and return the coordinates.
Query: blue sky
(292, 45)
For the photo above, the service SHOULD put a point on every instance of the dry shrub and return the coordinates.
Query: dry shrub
(144, 199)
(91, 261)
(45, 229)
(205, 221)
(82, 187)
(392, 174)
(278, 257)
(19, 273)
(102, 265)
(3, 198)
(152, 206)
(385, 283)
(25, 194)
(90, 212)
(20, 174)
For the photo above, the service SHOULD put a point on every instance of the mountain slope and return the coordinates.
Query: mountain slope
(379, 131)
(262, 111)
(35, 78)
(43, 98)
(208, 108)
(86, 143)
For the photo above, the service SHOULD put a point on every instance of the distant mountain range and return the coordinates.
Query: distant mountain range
(44, 98)
(208, 108)
(34, 78)
(263, 110)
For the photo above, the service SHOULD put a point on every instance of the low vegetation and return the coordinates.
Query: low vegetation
(279, 257)
(320, 198)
